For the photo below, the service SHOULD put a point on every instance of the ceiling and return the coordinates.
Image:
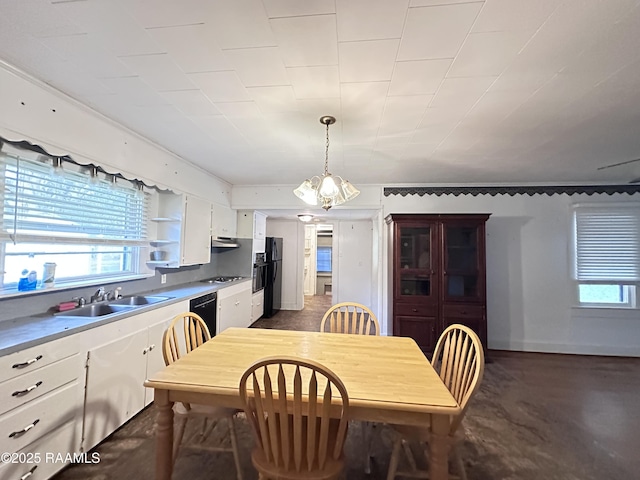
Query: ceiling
(424, 91)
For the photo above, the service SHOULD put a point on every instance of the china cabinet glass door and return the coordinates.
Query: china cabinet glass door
(415, 262)
(461, 263)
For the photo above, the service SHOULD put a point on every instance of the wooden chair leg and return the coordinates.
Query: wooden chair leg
(459, 463)
(395, 457)
(181, 422)
(234, 446)
(409, 454)
(367, 439)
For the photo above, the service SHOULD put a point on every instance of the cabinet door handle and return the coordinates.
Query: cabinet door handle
(27, 363)
(24, 430)
(29, 473)
(237, 303)
(151, 347)
(20, 393)
(144, 351)
(414, 309)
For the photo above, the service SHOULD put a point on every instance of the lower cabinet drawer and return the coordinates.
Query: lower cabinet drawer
(34, 384)
(36, 357)
(415, 310)
(26, 424)
(46, 456)
(463, 311)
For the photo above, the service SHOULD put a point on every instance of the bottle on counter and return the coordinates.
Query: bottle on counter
(29, 276)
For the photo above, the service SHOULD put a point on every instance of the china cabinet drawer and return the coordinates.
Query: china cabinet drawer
(415, 310)
(463, 311)
(33, 384)
(26, 424)
(33, 358)
(44, 457)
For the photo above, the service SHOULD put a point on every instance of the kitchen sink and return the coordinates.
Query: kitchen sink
(124, 304)
(136, 300)
(96, 310)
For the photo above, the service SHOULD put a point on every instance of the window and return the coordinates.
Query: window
(90, 230)
(607, 254)
(323, 263)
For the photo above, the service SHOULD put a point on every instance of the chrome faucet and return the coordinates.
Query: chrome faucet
(113, 294)
(80, 301)
(99, 295)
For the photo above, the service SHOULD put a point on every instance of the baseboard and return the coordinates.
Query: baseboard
(604, 350)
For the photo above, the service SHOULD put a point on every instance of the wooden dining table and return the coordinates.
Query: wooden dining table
(388, 379)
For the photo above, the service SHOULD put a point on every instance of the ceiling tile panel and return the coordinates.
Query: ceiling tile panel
(460, 94)
(192, 47)
(370, 19)
(191, 102)
(296, 8)
(241, 24)
(258, 67)
(419, 77)
(514, 15)
(220, 86)
(369, 61)
(133, 90)
(86, 52)
(437, 32)
(154, 13)
(488, 54)
(219, 129)
(270, 100)
(158, 71)
(301, 49)
(38, 18)
(402, 114)
(116, 29)
(315, 82)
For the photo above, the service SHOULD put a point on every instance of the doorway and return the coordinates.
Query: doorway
(318, 260)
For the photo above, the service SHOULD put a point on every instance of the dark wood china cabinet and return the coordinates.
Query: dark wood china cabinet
(438, 274)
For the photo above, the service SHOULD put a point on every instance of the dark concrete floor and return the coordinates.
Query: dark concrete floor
(536, 416)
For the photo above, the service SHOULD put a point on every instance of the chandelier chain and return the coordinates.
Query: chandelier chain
(326, 155)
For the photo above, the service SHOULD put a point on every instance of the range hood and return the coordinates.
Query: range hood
(224, 242)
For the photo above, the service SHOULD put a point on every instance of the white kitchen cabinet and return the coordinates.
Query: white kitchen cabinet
(117, 369)
(181, 230)
(224, 221)
(41, 405)
(115, 372)
(196, 231)
(253, 224)
(234, 306)
(257, 305)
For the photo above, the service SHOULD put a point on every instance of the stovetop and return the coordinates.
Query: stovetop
(221, 279)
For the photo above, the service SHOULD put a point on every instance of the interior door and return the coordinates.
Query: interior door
(310, 271)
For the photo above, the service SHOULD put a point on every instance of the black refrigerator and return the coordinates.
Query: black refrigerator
(273, 283)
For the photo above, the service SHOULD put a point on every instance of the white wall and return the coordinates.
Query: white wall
(354, 282)
(530, 296)
(292, 233)
(33, 111)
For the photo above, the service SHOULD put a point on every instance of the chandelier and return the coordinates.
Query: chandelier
(328, 190)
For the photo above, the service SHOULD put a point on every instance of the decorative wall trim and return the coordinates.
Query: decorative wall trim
(517, 190)
(32, 147)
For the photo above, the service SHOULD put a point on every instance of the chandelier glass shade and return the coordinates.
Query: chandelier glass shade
(328, 190)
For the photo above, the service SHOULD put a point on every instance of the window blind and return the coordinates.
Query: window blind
(608, 244)
(39, 206)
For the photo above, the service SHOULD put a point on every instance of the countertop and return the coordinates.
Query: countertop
(25, 332)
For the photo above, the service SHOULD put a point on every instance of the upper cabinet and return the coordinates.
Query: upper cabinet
(196, 232)
(224, 221)
(253, 224)
(438, 275)
(181, 231)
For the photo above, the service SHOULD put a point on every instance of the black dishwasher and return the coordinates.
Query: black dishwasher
(206, 306)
